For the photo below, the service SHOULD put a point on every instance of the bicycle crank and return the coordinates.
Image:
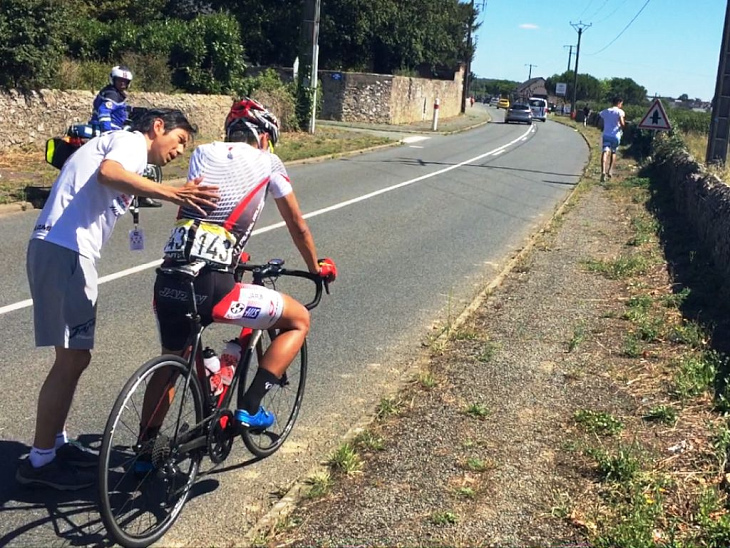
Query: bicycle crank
(221, 434)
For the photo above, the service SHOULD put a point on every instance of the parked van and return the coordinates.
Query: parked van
(539, 108)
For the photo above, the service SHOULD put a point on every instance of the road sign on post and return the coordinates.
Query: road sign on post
(655, 118)
(561, 89)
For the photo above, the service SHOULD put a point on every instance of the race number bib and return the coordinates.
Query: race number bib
(200, 240)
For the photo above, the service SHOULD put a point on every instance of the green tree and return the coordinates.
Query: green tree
(497, 88)
(588, 89)
(32, 41)
(270, 28)
(187, 9)
(386, 36)
(209, 56)
(632, 93)
(138, 12)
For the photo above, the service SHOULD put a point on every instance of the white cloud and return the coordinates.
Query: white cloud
(529, 26)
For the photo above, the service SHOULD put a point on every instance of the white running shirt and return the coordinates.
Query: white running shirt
(611, 121)
(80, 213)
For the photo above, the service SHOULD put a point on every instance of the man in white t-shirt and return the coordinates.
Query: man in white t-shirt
(613, 120)
(95, 187)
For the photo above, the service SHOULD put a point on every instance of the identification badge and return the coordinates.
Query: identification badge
(200, 240)
(136, 239)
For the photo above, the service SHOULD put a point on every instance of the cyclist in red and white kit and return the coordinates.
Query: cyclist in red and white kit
(245, 171)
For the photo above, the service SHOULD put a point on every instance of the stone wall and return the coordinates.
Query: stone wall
(387, 99)
(31, 118)
(703, 200)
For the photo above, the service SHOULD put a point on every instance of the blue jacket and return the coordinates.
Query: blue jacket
(110, 109)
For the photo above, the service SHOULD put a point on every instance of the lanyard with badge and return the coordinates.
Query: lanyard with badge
(136, 235)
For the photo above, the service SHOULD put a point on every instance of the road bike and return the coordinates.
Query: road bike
(145, 480)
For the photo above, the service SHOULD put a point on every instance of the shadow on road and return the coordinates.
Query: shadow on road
(32, 516)
(422, 163)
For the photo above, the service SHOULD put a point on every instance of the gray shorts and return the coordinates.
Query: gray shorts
(63, 285)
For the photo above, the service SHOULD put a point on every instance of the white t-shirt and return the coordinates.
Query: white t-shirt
(611, 121)
(80, 213)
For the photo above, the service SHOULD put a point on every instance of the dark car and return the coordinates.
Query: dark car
(519, 112)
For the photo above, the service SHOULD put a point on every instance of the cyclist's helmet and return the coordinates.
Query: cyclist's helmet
(251, 116)
(120, 71)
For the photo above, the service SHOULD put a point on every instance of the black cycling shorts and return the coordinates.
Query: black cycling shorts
(172, 302)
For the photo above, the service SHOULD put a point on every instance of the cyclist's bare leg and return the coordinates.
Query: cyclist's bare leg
(56, 395)
(293, 326)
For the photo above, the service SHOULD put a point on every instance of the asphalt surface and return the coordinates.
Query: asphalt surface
(416, 231)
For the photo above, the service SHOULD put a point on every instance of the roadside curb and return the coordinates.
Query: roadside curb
(289, 502)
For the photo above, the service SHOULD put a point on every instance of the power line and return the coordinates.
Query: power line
(624, 30)
(588, 5)
(599, 9)
(610, 14)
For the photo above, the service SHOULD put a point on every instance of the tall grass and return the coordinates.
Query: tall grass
(696, 144)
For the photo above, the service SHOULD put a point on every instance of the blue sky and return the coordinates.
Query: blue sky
(671, 48)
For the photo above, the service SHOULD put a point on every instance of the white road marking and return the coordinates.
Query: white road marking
(140, 268)
(414, 139)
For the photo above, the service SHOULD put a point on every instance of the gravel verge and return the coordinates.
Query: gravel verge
(474, 455)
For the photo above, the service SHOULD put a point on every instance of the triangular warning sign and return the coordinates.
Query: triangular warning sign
(656, 118)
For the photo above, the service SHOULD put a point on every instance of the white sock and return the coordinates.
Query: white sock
(61, 439)
(41, 457)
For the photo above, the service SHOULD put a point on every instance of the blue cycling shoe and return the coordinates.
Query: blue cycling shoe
(143, 465)
(260, 421)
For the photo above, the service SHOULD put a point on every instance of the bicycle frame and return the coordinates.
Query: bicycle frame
(248, 339)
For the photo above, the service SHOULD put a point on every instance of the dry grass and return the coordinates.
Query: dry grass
(697, 147)
(21, 167)
(663, 476)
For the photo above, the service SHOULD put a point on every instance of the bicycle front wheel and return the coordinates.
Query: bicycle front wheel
(145, 482)
(284, 400)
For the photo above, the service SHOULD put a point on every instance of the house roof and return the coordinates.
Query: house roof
(534, 87)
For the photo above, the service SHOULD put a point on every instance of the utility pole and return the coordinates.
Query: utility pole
(529, 75)
(309, 56)
(717, 142)
(570, 54)
(467, 68)
(580, 27)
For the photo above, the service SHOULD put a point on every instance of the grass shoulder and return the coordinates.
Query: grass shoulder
(24, 167)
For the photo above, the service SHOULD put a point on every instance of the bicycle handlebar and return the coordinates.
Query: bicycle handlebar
(275, 268)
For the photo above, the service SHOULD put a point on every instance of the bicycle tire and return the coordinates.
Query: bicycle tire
(127, 497)
(284, 401)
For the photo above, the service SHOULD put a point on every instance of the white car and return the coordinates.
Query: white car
(539, 108)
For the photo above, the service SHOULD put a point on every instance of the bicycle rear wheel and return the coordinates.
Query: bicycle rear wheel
(284, 400)
(144, 486)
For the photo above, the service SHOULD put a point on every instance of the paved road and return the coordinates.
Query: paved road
(416, 230)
